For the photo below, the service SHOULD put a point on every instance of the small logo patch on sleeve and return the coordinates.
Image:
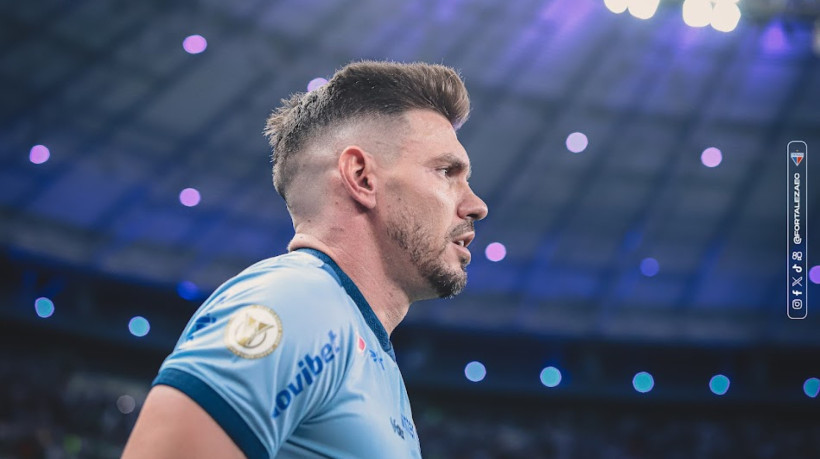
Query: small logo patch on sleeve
(253, 332)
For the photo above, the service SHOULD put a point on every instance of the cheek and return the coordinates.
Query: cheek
(431, 207)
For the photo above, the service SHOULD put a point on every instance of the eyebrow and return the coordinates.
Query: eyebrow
(455, 162)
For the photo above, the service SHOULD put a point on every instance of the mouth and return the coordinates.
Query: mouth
(462, 242)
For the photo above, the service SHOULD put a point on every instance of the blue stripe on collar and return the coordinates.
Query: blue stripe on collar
(354, 292)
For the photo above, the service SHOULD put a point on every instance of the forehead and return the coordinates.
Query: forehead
(430, 135)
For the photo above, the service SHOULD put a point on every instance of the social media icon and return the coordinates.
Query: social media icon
(797, 304)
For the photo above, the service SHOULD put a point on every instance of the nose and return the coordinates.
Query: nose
(473, 207)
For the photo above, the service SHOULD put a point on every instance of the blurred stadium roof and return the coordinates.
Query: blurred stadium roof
(131, 119)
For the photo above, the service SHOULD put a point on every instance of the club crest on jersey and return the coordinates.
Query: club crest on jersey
(253, 332)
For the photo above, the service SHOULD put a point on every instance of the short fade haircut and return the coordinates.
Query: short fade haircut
(360, 90)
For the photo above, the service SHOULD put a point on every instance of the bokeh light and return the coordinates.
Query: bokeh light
(72, 444)
(719, 384)
(475, 371)
(44, 307)
(725, 16)
(616, 6)
(643, 382)
(189, 197)
(814, 274)
(550, 376)
(139, 326)
(711, 157)
(643, 9)
(187, 290)
(316, 83)
(495, 251)
(126, 404)
(774, 39)
(697, 13)
(577, 142)
(649, 267)
(39, 154)
(195, 44)
(811, 387)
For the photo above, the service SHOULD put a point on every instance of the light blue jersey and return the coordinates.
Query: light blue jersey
(290, 360)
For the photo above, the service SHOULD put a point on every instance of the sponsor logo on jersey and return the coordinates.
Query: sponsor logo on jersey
(308, 370)
(396, 428)
(406, 427)
(253, 332)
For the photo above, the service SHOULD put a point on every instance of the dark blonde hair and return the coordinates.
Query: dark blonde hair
(357, 91)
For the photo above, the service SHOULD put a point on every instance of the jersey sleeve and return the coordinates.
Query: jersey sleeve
(265, 354)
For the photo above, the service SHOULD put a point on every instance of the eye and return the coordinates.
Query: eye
(445, 171)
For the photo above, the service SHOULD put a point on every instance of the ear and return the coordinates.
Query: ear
(357, 170)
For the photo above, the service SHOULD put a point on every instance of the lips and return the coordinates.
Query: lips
(461, 246)
(464, 240)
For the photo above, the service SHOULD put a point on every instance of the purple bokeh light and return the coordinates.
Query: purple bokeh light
(316, 83)
(774, 38)
(649, 267)
(495, 251)
(194, 44)
(39, 154)
(577, 142)
(814, 274)
(711, 157)
(189, 197)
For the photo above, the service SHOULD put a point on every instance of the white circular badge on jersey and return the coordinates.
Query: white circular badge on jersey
(253, 332)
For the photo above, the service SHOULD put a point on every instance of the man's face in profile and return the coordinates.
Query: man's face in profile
(431, 207)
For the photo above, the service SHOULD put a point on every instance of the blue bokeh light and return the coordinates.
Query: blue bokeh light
(649, 267)
(811, 387)
(139, 326)
(643, 382)
(475, 371)
(44, 307)
(550, 376)
(187, 290)
(719, 384)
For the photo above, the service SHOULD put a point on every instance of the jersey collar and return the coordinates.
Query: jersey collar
(354, 292)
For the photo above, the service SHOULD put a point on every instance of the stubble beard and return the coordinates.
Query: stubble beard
(427, 257)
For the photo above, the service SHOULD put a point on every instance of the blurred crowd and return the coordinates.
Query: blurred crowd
(568, 433)
(58, 408)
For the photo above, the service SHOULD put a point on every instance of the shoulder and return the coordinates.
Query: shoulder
(296, 286)
(288, 300)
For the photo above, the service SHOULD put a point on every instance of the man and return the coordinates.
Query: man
(292, 357)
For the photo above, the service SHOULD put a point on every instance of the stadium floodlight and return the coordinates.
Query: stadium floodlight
(616, 6)
(643, 9)
(725, 16)
(697, 13)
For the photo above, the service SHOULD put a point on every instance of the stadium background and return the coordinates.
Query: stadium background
(654, 242)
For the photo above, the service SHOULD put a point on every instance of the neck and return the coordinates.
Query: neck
(364, 265)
